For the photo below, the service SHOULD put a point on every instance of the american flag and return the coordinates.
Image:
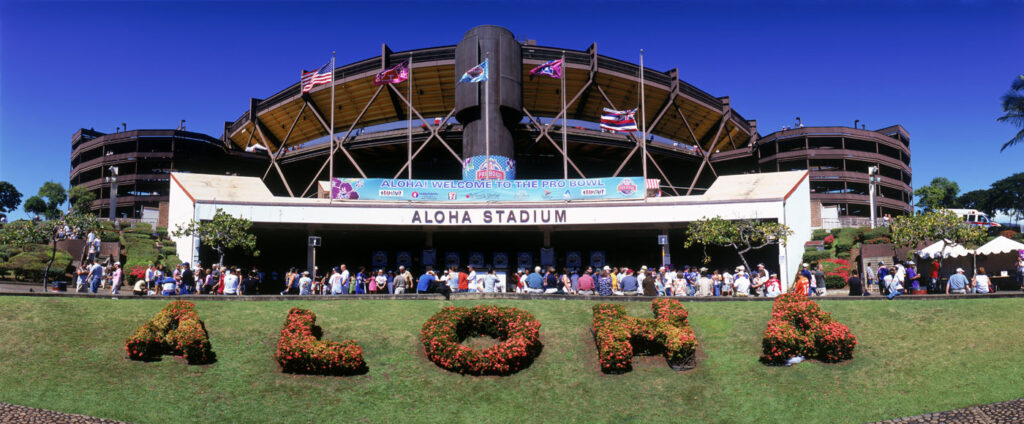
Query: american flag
(552, 68)
(618, 120)
(312, 79)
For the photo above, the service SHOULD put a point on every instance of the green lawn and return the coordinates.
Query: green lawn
(913, 357)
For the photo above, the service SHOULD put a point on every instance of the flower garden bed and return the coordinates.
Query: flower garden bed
(300, 350)
(517, 330)
(799, 327)
(619, 336)
(175, 330)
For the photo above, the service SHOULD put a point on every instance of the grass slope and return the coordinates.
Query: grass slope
(913, 357)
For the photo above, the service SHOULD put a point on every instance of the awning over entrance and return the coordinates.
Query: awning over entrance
(782, 196)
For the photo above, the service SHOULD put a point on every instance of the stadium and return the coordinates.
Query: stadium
(700, 157)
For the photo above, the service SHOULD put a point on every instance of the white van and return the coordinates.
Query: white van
(975, 218)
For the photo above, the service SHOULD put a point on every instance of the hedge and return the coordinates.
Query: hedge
(819, 234)
(30, 263)
(168, 251)
(517, 330)
(110, 236)
(175, 330)
(619, 337)
(816, 255)
(834, 282)
(798, 327)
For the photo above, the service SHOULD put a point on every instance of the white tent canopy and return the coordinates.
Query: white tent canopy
(944, 249)
(998, 246)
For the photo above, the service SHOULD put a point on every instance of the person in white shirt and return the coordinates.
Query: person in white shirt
(231, 282)
(981, 283)
(305, 284)
(335, 281)
(741, 284)
(115, 278)
(472, 278)
(344, 279)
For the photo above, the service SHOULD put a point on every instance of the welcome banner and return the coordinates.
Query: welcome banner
(487, 190)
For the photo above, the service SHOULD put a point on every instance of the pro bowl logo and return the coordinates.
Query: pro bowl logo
(490, 170)
(627, 187)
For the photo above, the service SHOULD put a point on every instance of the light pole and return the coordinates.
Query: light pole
(872, 183)
(112, 179)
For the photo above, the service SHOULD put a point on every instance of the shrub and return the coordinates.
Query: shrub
(816, 255)
(109, 236)
(300, 350)
(834, 281)
(819, 234)
(168, 251)
(837, 271)
(518, 331)
(30, 263)
(175, 330)
(835, 231)
(1008, 234)
(878, 240)
(106, 225)
(161, 232)
(875, 233)
(798, 327)
(829, 240)
(843, 255)
(170, 261)
(619, 337)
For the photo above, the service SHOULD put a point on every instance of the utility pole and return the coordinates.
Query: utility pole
(112, 179)
(872, 188)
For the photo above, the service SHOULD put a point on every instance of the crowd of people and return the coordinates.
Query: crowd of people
(185, 279)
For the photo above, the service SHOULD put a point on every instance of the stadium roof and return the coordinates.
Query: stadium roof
(594, 81)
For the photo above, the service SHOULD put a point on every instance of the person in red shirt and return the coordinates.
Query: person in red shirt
(933, 284)
(463, 282)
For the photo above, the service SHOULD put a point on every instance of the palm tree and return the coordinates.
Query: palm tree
(1013, 105)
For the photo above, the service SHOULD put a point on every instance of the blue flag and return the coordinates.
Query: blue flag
(476, 74)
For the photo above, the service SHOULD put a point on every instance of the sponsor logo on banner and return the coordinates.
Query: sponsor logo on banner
(452, 195)
(592, 192)
(627, 187)
(390, 193)
(380, 258)
(415, 195)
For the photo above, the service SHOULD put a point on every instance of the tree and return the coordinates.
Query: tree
(744, 236)
(55, 196)
(81, 199)
(35, 205)
(1008, 195)
(221, 233)
(1013, 105)
(942, 224)
(10, 197)
(940, 193)
(977, 199)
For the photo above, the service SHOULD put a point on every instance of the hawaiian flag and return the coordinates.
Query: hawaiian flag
(618, 120)
(476, 74)
(551, 68)
(394, 75)
(312, 79)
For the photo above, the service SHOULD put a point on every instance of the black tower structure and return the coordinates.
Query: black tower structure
(499, 47)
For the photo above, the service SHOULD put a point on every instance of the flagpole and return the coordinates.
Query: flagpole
(643, 123)
(409, 115)
(565, 114)
(487, 116)
(330, 182)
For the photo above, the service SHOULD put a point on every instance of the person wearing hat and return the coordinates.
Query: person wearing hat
(913, 278)
(957, 283)
(116, 278)
(773, 287)
(741, 283)
(893, 285)
(705, 285)
(305, 284)
(881, 273)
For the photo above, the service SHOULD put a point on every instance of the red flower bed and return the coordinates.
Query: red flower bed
(175, 330)
(518, 331)
(136, 273)
(619, 337)
(799, 327)
(300, 350)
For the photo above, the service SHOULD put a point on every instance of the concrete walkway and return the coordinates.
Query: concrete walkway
(1009, 412)
(25, 415)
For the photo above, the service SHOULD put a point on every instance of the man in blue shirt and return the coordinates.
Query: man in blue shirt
(95, 276)
(882, 272)
(912, 276)
(628, 285)
(535, 282)
(424, 283)
(957, 283)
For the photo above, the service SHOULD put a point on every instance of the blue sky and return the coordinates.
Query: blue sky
(936, 67)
